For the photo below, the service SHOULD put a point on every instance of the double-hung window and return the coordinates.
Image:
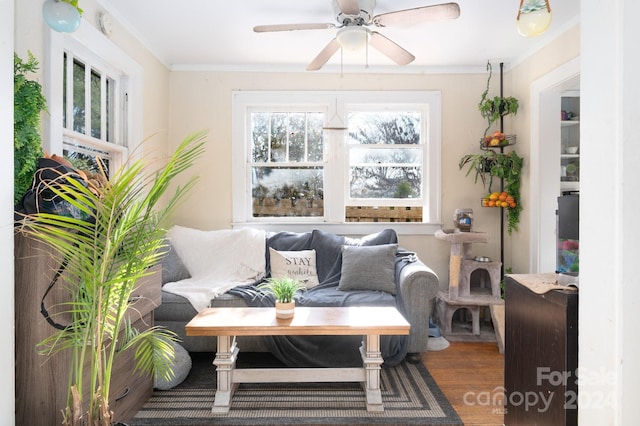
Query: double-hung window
(337, 158)
(93, 91)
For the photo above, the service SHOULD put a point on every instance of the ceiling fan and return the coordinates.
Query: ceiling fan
(353, 18)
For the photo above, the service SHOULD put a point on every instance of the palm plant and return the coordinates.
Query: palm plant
(106, 257)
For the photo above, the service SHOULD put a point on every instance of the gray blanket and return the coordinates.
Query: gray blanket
(330, 351)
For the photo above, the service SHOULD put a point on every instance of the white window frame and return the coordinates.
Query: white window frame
(336, 160)
(95, 50)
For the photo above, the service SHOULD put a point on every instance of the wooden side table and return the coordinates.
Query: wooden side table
(541, 353)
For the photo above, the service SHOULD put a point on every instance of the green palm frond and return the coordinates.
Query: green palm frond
(106, 257)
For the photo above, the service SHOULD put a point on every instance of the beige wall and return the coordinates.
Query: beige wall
(202, 100)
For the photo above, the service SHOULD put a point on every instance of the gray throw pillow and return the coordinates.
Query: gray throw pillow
(181, 366)
(368, 268)
(173, 268)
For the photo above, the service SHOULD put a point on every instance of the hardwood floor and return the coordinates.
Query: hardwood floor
(471, 375)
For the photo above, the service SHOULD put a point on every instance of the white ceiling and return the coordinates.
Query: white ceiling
(216, 34)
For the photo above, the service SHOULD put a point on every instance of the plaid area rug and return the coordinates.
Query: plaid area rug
(409, 395)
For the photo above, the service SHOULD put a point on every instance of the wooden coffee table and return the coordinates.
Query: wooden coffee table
(226, 323)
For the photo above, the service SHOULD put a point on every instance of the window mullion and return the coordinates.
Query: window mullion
(103, 107)
(287, 140)
(269, 137)
(87, 99)
(69, 107)
(334, 177)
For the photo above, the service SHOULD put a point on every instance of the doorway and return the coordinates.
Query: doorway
(545, 161)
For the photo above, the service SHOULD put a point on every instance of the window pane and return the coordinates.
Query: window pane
(78, 97)
(85, 158)
(278, 137)
(314, 136)
(296, 133)
(96, 115)
(287, 191)
(260, 137)
(360, 156)
(384, 127)
(385, 182)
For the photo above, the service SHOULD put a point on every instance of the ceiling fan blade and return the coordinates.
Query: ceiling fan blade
(387, 47)
(326, 54)
(407, 17)
(349, 7)
(291, 27)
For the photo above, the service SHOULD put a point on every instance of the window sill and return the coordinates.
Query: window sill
(351, 228)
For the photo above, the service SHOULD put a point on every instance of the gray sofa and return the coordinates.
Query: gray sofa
(415, 283)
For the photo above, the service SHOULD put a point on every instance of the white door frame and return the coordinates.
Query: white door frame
(545, 163)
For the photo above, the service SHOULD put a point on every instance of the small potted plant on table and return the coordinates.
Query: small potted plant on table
(283, 289)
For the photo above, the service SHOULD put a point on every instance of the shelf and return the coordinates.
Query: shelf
(569, 185)
(570, 139)
(509, 140)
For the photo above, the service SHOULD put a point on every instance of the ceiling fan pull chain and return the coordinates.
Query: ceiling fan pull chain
(366, 60)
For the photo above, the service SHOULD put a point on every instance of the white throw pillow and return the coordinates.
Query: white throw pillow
(226, 254)
(300, 265)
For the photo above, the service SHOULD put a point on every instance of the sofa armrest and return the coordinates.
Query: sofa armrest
(418, 285)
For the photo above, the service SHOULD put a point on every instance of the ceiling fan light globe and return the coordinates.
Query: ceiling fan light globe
(353, 38)
(534, 23)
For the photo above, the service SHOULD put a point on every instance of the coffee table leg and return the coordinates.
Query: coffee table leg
(225, 362)
(372, 360)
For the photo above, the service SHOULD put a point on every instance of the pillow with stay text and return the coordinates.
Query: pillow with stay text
(300, 265)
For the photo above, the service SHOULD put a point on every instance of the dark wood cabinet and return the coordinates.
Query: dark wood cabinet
(42, 381)
(541, 355)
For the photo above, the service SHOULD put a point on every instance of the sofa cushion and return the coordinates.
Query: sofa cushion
(173, 268)
(368, 268)
(298, 264)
